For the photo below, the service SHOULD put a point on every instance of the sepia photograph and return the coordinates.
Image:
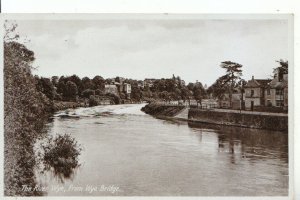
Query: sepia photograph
(148, 105)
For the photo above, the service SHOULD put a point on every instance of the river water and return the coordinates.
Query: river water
(129, 153)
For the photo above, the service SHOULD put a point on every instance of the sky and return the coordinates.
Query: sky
(138, 48)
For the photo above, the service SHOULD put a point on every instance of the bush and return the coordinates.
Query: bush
(115, 98)
(99, 92)
(87, 93)
(93, 101)
(60, 155)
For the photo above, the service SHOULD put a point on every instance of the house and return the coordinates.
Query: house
(237, 100)
(127, 89)
(111, 88)
(277, 92)
(255, 92)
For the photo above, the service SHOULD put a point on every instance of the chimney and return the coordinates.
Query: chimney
(252, 77)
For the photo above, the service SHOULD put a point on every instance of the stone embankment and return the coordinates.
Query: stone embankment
(247, 119)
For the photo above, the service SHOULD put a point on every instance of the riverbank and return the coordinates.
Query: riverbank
(63, 105)
(162, 110)
(258, 120)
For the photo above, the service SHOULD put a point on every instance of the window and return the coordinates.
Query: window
(279, 103)
(268, 91)
(279, 92)
(252, 93)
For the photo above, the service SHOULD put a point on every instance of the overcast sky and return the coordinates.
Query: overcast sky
(138, 49)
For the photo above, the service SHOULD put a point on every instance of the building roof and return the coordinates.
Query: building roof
(279, 84)
(257, 83)
(110, 86)
(263, 82)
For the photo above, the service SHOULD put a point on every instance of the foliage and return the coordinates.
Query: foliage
(136, 93)
(71, 90)
(98, 82)
(60, 155)
(232, 76)
(87, 93)
(93, 101)
(99, 92)
(25, 111)
(115, 98)
(45, 86)
(282, 69)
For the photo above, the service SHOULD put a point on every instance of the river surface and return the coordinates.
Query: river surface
(129, 153)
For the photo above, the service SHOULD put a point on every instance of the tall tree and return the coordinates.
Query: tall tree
(198, 92)
(75, 79)
(233, 75)
(71, 91)
(46, 87)
(219, 87)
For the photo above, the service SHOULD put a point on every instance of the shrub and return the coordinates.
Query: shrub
(99, 92)
(87, 93)
(60, 155)
(115, 98)
(93, 101)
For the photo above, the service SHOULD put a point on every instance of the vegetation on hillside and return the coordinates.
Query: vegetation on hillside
(26, 110)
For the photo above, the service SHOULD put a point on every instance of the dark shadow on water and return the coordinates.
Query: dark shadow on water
(253, 144)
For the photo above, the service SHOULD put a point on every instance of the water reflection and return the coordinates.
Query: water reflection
(145, 156)
(253, 144)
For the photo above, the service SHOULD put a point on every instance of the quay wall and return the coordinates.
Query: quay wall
(260, 121)
(257, 120)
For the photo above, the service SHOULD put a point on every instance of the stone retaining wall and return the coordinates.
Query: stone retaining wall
(270, 122)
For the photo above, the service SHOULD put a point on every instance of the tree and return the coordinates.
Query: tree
(115, 98)
(99, 92)
(136, 93)
(26, 110)
(75, 79)
(87, 83)
(99, 82)
(54, 80)
(219, 87)
(61, 86)
(186, 94)
(45, 86)
(170, 85)
(198, 92)
(282, 69)
(147, 92)
(87, 93)
(164, 95)
(71, 91)
(233, 74)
